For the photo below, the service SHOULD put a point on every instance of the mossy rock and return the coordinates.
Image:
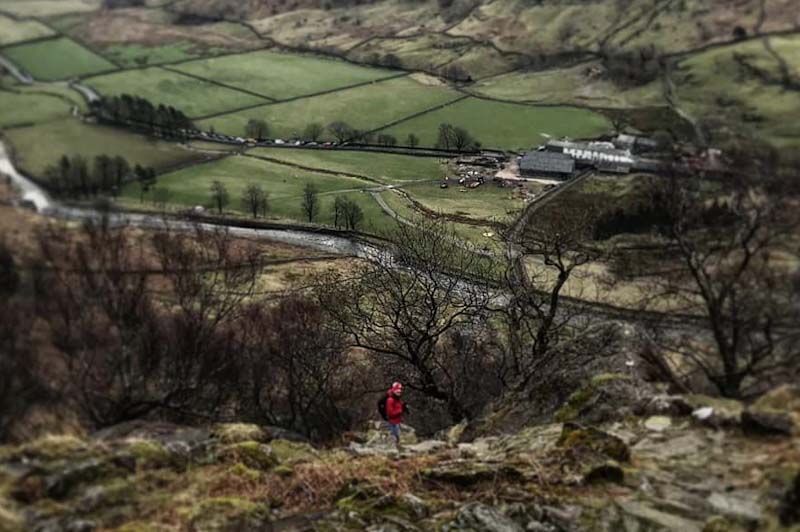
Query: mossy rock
(64, 483)
(250, 453)
(369, 503)
(727, 410)
(284, 470)
(151, 455)
(48, 448)
(582, 398)
(246, 473)
(590, 440)
(239, 432)
(118, 491)
(467, 473)
(228, 513)
(292, 452)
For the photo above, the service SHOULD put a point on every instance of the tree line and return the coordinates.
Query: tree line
(74, 176)
(347, 214)
(141, 113)
(449, 137)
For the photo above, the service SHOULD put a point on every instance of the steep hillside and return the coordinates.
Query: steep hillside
(735, 470)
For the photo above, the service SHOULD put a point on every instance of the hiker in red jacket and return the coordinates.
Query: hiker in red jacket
(394, 411)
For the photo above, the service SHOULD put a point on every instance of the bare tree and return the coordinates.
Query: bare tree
(542, 331)
(399, 307)
(310, 201)
(342, 131)
(725, 271)
(126, 353)
(313, 132)
(21, 385)
(255, 200)
(295, 371)
(219, 195)
(257, 129)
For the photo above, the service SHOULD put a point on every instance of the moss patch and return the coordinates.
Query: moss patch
(290, 452)
(239, 432)
(582, 398)
(228, 513)
(250, 453)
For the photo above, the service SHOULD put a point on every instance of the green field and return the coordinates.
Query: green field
(192, 96)
(365, 107)
(385, 167)
(487, 202)
(504, 125)
(190, 186)
(56, 59)
(39, 146)
(567, 85)
(46, 8)
(282, 76)
(717, 86)
(139, 55)
(12, 31)
(25, 109)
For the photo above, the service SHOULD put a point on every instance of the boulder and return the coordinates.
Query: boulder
(592, 441)
(663, 405)
(292, 452)
(477, 517)
(602, 399)
(767, 423)
(60, 484)
(250, 453)
(715, 411)
(738, 506)
(657, 423)
(775, 413)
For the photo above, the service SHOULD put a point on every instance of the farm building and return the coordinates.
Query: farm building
(602, 156)
(546, 164)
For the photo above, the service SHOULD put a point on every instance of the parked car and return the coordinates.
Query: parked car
(279, 141)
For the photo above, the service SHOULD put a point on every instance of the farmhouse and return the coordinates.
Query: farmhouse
(602, 156)
(546, 164)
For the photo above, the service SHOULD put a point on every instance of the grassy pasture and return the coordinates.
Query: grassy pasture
(27, 108)
(504, 125)
(366, 107)
(567, 85)
(134, 54)
(190, 186)
(715, 85)
(12, 31)
(46, 8)
(485, 202)
(56, 59)
(385, 167)
(280, 75)
(39, 146)
(192, 96)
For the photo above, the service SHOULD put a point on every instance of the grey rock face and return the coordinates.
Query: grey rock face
(477, 517)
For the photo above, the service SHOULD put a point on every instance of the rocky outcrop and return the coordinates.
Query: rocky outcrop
(659, 469)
